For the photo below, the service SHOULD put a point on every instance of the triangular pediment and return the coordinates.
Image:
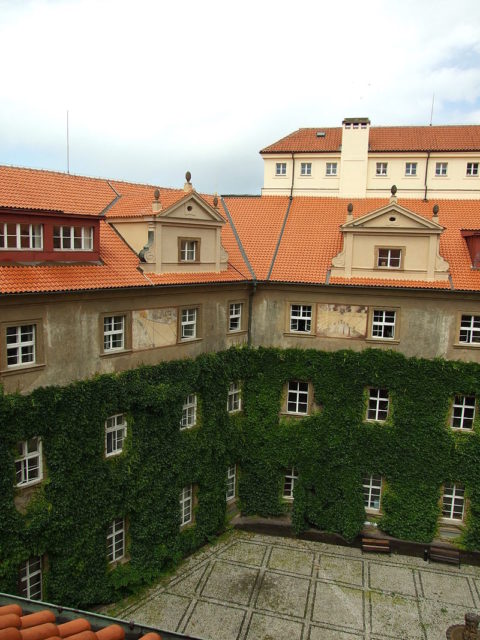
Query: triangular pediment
(392, 217)
(191, 208)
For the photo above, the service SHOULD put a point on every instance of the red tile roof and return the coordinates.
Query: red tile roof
(383, 139)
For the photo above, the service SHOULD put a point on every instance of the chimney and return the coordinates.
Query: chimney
(156, 204)
(187, 187)
(354, 158)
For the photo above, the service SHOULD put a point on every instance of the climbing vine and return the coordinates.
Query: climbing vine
(68, 514)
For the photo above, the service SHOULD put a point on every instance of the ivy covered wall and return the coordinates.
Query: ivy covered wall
(68, 514)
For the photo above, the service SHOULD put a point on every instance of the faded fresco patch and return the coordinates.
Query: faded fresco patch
(341, 321)
(154, 328)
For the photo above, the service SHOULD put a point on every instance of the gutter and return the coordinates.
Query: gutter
(293, 175)
(426, 171)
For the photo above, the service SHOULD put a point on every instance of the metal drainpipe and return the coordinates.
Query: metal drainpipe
(293, 175)
(426, 170)
(250, 314)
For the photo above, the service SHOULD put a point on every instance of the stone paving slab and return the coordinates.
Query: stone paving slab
(256, 587)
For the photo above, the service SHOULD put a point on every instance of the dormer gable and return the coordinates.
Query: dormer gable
(185, 237)
(392, 242)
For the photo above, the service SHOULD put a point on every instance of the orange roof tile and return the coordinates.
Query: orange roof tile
(383, 139)
(119, 269)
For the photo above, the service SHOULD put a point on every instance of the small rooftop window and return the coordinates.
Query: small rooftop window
(321, 134)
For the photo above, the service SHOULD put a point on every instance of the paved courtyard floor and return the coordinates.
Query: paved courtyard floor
(255, 587)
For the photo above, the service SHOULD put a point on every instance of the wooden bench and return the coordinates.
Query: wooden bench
(444, 554)
(380, 545)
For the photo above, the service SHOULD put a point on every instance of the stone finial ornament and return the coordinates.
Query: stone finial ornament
(156, 194)
(436, 209)
(467, 631)
(349, 211)
(394, 190)
(215, 201)
(187, 187)
(188, 176)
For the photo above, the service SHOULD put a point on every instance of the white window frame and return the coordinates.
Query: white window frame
(378, 405)
(235, 316)
(234, 400)
(301, 318)
(188, 250)
(472, 169)
(65, 235)
(441, 169)
(20, 345)
(469, 329)
(231, 483)
(331, 169)
(114, 333)
(463, 413)
(297, 396)
(391, 256)
(372, 492)
(453, 501)
(116, 540)
(381, 169)
(281, 169)
(115, 434)
(29, 464)
(189, 412)
(31, 578)
(188, 324)
(306, 169)
(411, 168)
(383, 323)
(34, 233)
(186, 505)
(291, 476)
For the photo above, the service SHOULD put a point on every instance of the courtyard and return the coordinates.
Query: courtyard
(256, 587)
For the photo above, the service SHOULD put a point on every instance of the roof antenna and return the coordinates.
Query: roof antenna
(431, 112)
(68, 149)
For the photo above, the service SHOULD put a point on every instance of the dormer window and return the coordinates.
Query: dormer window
(21, 236)
(188, 250)
(73, 238)
(389, 258)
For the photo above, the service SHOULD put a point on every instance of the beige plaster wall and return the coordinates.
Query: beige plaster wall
(427, 321)
(414, 252)
(354, 158)
(135, 233)
(169, 247)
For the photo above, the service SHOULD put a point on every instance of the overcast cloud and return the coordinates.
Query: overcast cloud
(154, 88)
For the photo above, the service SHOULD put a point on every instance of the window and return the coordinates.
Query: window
(306, 169)
(453, 501)
(472, 168)
(377, 405)
(73, 238)
(186, 505)
(231, 477)
(21, 236)
(372, 491)
(189, 250)
(297, 399)
(301, 318)
(31, 578)
(20, 345)
(188, 324)
(381, 168)
(113, 333)
(281, 169)
(115, 434)
(463, 412)
(441, 168)
(116, 540)
(28, 464)
(410, 168)
(291, 475)
(470, 329)
(331, 169)
(189, 412)
(235, 316)
(389, 258)
(234, 402)
(383, 324)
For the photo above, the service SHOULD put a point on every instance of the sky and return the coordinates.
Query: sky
(156, 88)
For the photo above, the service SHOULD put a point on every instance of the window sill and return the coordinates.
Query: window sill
(383, 340)
(300, 334)
(287, 414)
(189, 340)
(372, 512)
(28, 485)
(236, 332)
(114, 354)
(466, 345)
(462, 430)
(22, 368)
(452, 522)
